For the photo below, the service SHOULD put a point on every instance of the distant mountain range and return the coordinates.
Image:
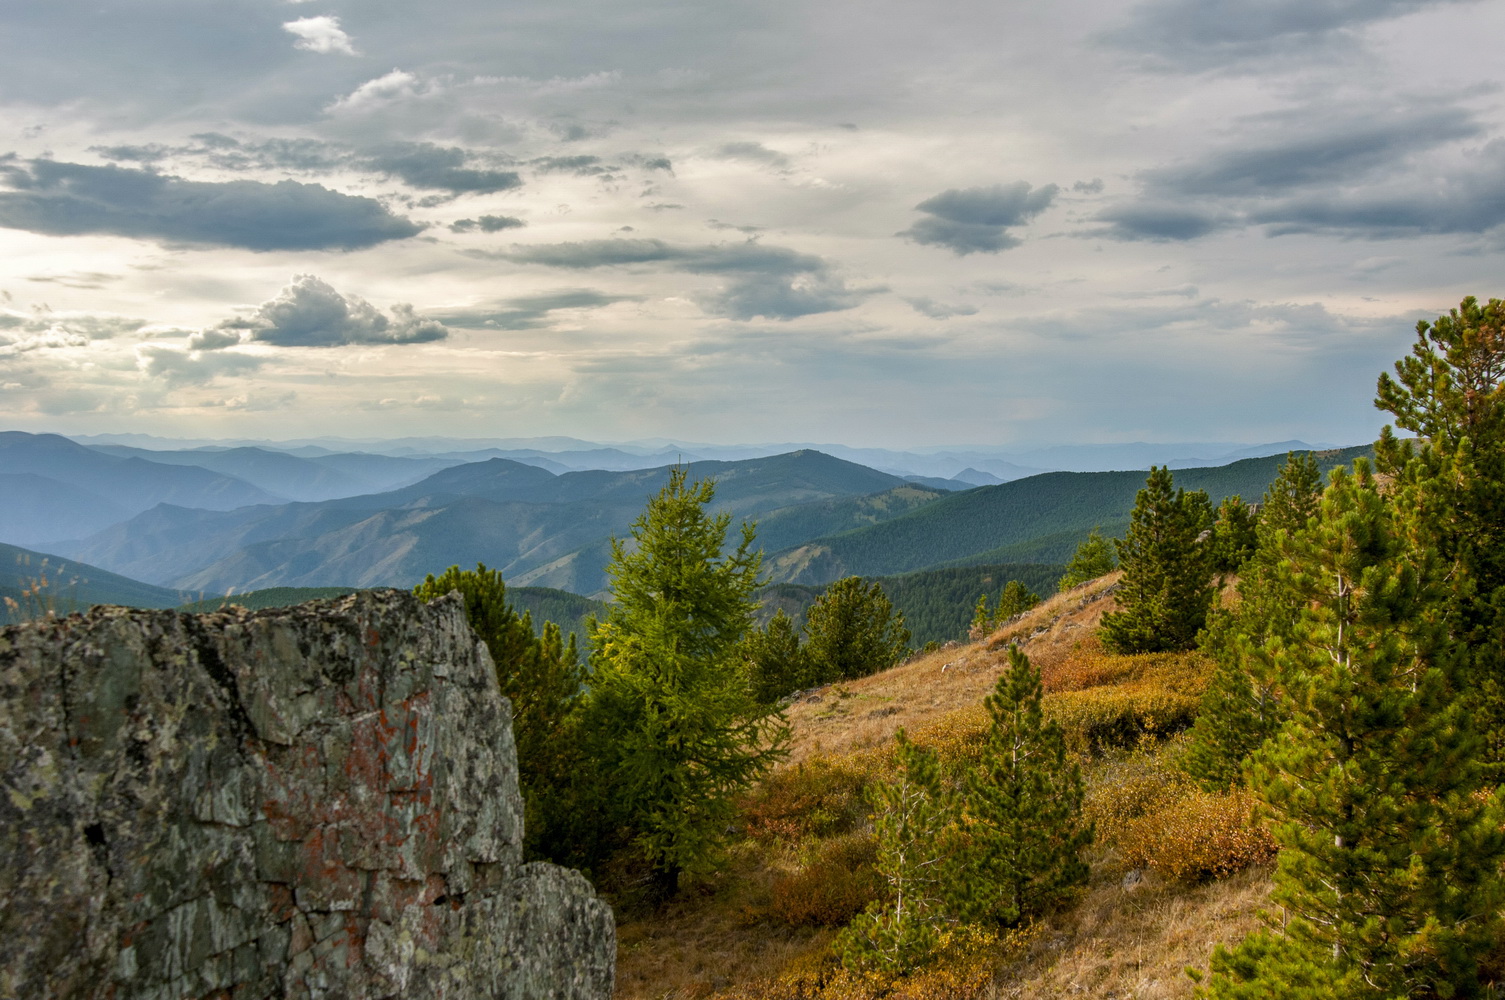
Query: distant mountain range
(217, 519)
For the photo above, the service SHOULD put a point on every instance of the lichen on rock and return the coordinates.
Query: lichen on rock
(317, 801)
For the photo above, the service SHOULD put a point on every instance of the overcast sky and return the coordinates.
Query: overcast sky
(878, 223)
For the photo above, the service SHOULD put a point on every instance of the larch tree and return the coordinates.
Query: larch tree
(674, 728)
(852, 630)
(1092, 559)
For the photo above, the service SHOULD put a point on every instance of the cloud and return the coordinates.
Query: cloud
(192, 367)
(320, 34)
(977, 220)
(1159, 222)
(425, 165)
(1346, 171)
(580, 166)
(310, 313)
(940, 310)
(394, 86)
(213, 339)
(753, 152)
(487, 224)
(1199, 34)
(70, 199)
(1094, 186)
(528, 312)
(774, 282)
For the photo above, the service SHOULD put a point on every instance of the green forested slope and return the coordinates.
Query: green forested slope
(991, 522)
(39, 583)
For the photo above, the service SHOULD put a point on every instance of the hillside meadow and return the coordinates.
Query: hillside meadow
(1175, 871)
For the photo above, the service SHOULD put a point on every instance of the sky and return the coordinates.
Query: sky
(875, 223)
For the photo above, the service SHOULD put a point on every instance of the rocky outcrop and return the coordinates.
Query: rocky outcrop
(318, 801)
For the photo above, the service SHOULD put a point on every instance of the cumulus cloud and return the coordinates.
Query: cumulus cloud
(310, 313)
(977, 220)
(320, 34)
(528, 312)
(69, 199)
(487, 224)
(192, 367)
(394, 86)
(773, 282)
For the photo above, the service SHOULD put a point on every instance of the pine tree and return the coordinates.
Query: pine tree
(1451, 483)
(776, 661)
(1022, 806)
(1242, 707)
(543, 679)
(914, 819)
(1093, 558)
(1233, 535)
(676, 733)
(1015, 599)
(1167, 585)
(852, 631)
(1388, 873)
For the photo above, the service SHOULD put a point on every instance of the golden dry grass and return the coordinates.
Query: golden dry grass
(1118, 941)
(855, 715)
(1136, 941)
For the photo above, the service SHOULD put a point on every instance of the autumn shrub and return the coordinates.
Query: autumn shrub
(839, 880)
(815, 798)
(1090, 666)
(957, 737)
(1125, 789)
(1102, 719)
(1203, 836)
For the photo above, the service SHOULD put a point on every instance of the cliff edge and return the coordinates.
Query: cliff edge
(318, 801)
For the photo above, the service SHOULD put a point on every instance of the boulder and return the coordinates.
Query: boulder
(318, 801)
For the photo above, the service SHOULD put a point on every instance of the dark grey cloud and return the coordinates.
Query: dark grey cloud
(69, 199)
(939, 310)
(977, 220)
(580, 166)
(439, 168)
(753, 152)
(1317, 150)
(1160, 221)
(1196, 35)
(1094, 186)
(487, 224)
(528, 312)
(773, 282)
(1349, 171)
(310, 313)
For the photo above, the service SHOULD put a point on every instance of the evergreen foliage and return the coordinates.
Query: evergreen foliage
(1388, 873)
(542, 677)
(776, 661)
(852, 630)
(1015, 599)
(914, 818)
(1451, 482)
(674, 730)
(1167, 584)
(1093, 558)
(1241, 707)
(1022, 806)
(1233, 535)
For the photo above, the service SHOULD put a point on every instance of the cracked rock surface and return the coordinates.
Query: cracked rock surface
(318, 801)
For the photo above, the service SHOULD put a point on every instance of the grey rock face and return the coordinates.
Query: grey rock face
(318, 801)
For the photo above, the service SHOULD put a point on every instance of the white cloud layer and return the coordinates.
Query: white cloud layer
(881, 222)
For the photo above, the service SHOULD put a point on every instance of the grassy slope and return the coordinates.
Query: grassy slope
(723, 936)
(1036, 519)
